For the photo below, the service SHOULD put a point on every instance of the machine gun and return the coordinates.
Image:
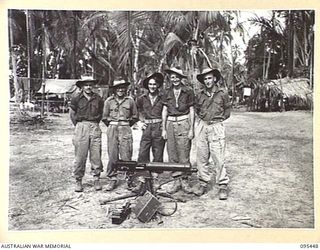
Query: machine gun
(148, 199)
(134, 166)
(133, 169)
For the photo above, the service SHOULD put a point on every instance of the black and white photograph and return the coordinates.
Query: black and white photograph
(160, 119)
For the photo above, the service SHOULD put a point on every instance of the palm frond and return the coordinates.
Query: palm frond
(93, 17)
(102, 61)
(123, 60)
(171, 40)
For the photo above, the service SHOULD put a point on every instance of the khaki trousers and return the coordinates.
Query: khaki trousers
(87, 138)
(178, 143)
(151, 139)
(211, 146)
(119, 146)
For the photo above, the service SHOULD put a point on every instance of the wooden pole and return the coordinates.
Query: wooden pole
(290, 45)
(28, 56)
(44, 59)
(130, 48)
(13, 60)
(75, 38)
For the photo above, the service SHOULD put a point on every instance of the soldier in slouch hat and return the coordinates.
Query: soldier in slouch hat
(178, 124)
(212, 107)
(86, 113)
(150, 107)
(119, 114)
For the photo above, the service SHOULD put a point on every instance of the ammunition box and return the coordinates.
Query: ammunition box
(120, 214)
(147, 205)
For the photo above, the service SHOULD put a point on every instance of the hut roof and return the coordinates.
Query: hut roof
(298, 87)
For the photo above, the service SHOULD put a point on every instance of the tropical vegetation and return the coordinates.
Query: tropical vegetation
(67, 44)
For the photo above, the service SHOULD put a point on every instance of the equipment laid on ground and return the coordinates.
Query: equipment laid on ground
(148, 198)
(120, 214)
(147, 205)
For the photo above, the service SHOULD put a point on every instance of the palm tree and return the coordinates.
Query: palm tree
(300, 36)
(189, 41)
(272, 35)
(126, 34)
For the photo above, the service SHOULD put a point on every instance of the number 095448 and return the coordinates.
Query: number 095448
(309, 246)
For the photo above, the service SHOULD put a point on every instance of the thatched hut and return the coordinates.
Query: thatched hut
(289, 94)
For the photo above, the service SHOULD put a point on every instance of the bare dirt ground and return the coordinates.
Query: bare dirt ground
(269, 160)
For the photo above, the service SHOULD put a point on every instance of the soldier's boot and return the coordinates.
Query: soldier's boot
(96, 183)
(200, 188)
(79, 187)
(111, 185)
(223, 192)
(185, 186)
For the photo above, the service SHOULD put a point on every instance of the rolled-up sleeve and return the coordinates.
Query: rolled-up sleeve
(164, 98)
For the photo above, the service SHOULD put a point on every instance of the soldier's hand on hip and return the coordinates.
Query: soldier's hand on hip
(144, 126)
(191, 134)
(164, 134)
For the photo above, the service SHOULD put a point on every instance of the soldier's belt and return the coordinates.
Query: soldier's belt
(148, 121)
(119, 123)
(85, 121)
(215, 121)
(177, 118)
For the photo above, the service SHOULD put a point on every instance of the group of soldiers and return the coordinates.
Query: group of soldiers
(167, 116)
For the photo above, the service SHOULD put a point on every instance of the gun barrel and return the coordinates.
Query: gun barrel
(154, 166)
(169, 166)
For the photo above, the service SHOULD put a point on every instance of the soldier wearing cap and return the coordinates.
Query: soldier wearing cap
(178, 123)
(86, 113)
(119, 114)
(213, 107)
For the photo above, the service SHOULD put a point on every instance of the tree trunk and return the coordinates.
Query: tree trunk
(305, 38)
(130, 48)
(75, 38)
(221, 49)
(55, 69)
(193, 51)
(15, 78)
(28, 55)
(14, 61)
(206, 57)
(268, 65)
(109, 70)
(263, 64)
(192, 62)
(161, 63)
(136, 50)
(44, 62)
(311, 64)
(232, 78)
(290, 45)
